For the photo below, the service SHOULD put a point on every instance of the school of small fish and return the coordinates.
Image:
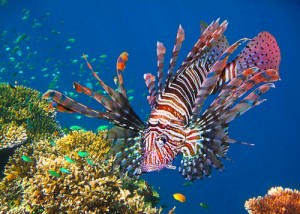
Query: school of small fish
(25, 60)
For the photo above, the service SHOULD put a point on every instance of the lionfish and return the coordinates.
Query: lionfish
(178, 125)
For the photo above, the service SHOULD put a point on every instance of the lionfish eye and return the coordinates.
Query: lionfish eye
(161, 140)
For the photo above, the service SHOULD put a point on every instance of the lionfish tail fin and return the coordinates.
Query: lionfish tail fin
(261, 52)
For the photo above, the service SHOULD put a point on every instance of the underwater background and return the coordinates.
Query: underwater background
(51, 37)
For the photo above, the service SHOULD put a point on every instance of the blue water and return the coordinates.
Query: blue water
(109, 28)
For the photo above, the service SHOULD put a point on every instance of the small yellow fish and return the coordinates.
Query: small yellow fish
(179, 197)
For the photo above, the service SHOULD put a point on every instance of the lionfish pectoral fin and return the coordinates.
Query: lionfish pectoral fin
(126, 147)
(204, 152)
(248, 102)
(69, 105)
(117, 105)
(212, 126)
(62, 108)
(103, 100)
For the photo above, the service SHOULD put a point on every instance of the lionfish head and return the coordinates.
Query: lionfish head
(158, 151)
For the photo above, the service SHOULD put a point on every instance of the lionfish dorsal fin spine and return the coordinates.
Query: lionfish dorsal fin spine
(161, 51)
(150, 83)
(210, 34)
(211, 79)
(176, 49)
(186, 83)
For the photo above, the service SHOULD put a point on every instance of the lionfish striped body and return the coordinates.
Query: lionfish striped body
(177, 125)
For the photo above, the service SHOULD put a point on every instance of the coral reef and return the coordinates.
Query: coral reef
(278, 200)
(71, 174)
(23, 107)
(12, 135)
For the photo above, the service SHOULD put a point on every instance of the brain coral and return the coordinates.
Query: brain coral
(70, 174)
(278, 200)
(24, 107)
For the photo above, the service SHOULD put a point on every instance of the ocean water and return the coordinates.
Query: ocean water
(52, 36)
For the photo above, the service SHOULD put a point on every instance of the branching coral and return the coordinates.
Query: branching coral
(72, 175)
(17, 173)
(85, 188)
(25, 108)
(12, 135)
(278, 200)
(81, 141)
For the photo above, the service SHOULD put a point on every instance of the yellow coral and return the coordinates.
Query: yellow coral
(278, 200)
(12, 135)
(25, 107)
(75, 187)
(87, 141)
